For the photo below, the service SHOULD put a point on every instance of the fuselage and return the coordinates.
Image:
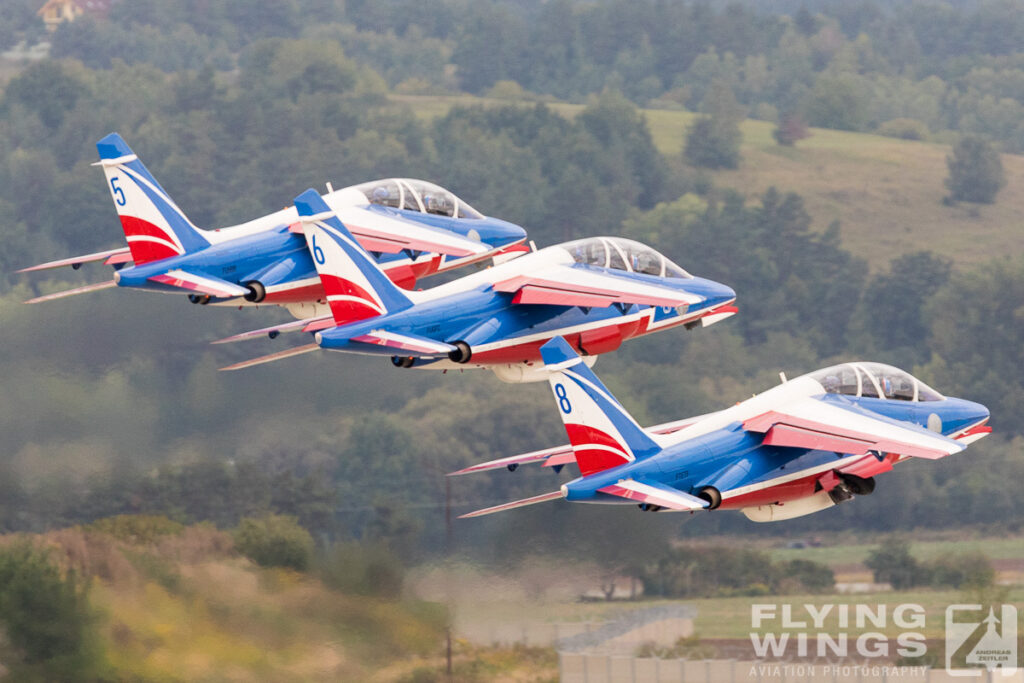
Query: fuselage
(268, 252)
(717, 451)
(499, 331)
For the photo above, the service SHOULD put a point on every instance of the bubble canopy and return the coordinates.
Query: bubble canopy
(416, 195)
(622, 254)
(874, 380)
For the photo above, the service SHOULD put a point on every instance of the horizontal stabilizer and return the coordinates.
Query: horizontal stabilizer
(559, 455)
(204, 284)
(280, 355)
(411, 344)
(72, 292)
(563, 455)
(653, 493)
(110, 257)
(543, 498)
(306, 325)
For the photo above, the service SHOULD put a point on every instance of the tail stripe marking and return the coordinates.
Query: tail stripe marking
(156, 196)
(339, 289)
(585, 383)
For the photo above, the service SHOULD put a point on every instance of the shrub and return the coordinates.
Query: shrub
(790, 128)
(975, 171)
(963, 571)
(274, 541)
(713, 144)
(137, 529)
(814, 576)
(363, 569)
(892, 563)
(46, 615)
(905, 129)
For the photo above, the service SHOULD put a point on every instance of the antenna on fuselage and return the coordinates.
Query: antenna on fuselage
(782, 376)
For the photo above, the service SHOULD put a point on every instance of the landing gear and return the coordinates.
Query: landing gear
(201, 299)
(403, 361)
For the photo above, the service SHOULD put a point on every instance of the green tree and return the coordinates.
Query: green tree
(713, 140)
(814, 576)
(274, 541)
(46, 615)
(839, 102)
(790, 128)
(893, 308)
(892, 563)
(46, 88)
(975, 171)
(714, 145)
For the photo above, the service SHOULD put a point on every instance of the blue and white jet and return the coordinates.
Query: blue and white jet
(596, 292)
(413, 229)
(800, 447)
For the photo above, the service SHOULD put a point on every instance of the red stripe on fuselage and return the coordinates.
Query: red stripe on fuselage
(789, 491)
(530, 351)
(295, 295)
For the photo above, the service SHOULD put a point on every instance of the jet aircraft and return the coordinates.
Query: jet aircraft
(596, 292)
(800, 447)
(413, 227)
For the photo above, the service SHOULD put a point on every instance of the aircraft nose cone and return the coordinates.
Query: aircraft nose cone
(500, 233)
(977, 411)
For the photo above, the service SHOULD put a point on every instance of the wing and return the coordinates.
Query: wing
(392, 234)
(550, 457)
(542, 498)
(565, 285)
(204, 284)
(110, 258)
(72, 292)
(654, 493)
(816, 424)
(280, 355)
(306, 325)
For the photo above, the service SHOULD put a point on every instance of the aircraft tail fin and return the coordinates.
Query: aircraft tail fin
(602, 433)
(154, 226)
(355, 286)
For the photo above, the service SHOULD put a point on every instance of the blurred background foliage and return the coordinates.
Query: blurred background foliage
(111, 404)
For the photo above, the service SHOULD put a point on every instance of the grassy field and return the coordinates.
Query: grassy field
(886, 193)
(730, 618)
(993, 548)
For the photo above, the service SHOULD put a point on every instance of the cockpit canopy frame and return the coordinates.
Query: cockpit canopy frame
(410, 194)
(874, 380)
(619, 253)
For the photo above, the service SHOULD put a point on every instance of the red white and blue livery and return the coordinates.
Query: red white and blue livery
(413, 228)
(800, 447)
(594, 292)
